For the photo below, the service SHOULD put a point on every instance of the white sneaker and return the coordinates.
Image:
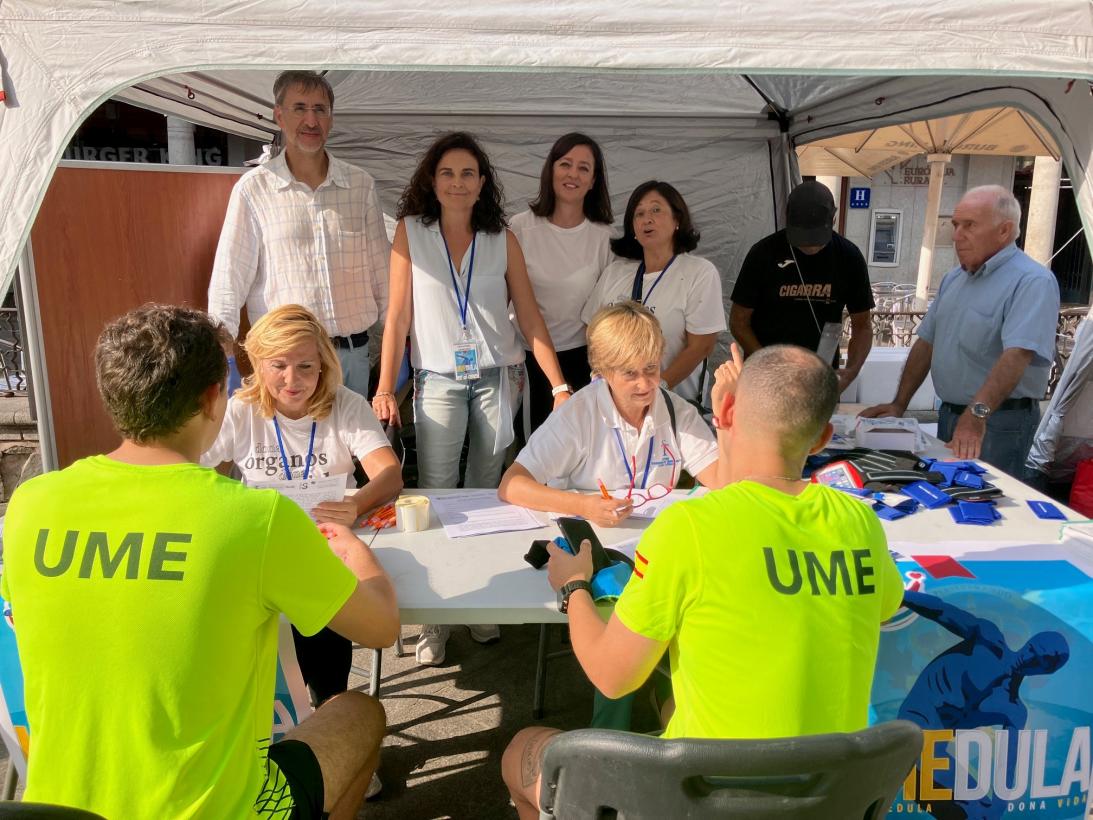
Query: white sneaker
(374, 787)
(431, 644)
(485, 633)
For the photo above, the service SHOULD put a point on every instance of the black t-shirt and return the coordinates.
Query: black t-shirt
(770, 284)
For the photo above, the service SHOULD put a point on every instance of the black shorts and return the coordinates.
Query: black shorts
(294, 783)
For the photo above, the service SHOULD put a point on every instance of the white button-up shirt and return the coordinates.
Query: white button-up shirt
(586, 441)
(284, 243)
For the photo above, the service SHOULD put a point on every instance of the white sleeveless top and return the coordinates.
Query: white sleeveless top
(435, 327)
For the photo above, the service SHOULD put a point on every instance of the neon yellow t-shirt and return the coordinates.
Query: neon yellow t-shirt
(771, 605)
(145, 602)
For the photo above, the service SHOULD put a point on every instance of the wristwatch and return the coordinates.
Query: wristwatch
(980, 410)
(561, 388)
(569, 589)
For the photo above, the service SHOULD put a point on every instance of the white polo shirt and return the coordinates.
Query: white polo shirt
(250, 440)
(686, 300)
(564, 265)
(583, 442)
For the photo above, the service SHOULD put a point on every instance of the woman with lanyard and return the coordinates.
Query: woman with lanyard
(565, 236)
(454, 270)
(682, 290)
(294, 420)
(620, 443)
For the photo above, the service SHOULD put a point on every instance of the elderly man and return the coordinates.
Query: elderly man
(307, 229)
(767, 561)
(794, 284)
(988, 339)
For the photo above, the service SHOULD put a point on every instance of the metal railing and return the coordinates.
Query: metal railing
(897, 328)
(13, 374)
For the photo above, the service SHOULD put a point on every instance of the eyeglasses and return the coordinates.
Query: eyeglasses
(647, 494)
(322, 112)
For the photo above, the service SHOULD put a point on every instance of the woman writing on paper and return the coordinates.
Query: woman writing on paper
(454, 270)
(292, 420)
(658, 270)
(621, 441)
(565, 236)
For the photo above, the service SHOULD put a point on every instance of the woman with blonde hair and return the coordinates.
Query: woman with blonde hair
(618, 443)
(293, 419)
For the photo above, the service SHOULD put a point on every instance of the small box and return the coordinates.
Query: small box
(889, 434)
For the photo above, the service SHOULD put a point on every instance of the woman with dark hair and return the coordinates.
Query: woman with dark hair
(454, 270)
(682, 290)
(565, 237)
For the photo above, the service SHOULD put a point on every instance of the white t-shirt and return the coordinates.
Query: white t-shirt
(435, 327)
(583, 441)
(250, 440)
(564, 265)
(686, 300)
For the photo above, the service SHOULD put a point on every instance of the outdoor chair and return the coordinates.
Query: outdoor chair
(594, 773)
(42, 811)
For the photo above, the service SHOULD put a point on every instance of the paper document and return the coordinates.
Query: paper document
(479, 512)
(307, 492)
(651, 509)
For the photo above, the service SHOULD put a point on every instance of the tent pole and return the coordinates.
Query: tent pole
(938, 163)
(35, 358)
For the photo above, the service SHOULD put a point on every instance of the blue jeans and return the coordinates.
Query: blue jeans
(1007, 440)
(356, 367)
(446, 410)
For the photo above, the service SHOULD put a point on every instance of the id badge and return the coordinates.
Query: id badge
(466, 358)
(829, 341)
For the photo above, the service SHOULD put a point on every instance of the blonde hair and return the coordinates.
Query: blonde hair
(621, 334)
(278, 332)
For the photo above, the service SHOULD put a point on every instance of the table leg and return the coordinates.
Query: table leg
(540, 673)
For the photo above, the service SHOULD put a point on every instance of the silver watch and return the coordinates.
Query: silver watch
(980, 410)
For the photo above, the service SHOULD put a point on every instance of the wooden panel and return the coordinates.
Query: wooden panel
(106, 241)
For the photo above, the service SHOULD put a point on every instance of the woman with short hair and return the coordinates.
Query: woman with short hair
(681, 289)
(293, 418)
(622, 432)
(565, 236)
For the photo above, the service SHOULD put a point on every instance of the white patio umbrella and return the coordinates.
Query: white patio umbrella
(1002, 131)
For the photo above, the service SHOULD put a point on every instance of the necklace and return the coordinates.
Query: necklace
(790, 478)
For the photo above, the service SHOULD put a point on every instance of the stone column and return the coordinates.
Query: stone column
(1043, 207)
(938, 163)
(180, 142)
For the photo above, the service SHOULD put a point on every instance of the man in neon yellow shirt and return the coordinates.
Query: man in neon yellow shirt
(146, 591)
(768, 593)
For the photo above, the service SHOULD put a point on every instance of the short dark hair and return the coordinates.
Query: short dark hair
(797, 390)
(686, 238)
(153, 364)
(597, 202)
(307, 80)
(419, 198)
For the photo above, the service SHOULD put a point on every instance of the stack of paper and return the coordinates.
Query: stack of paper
(480, 512)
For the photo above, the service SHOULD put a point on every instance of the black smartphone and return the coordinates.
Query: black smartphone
(577, 530)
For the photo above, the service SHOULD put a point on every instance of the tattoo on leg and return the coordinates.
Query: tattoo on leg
(531, 762)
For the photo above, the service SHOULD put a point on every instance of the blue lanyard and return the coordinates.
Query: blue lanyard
(626, 464)
(470, 272)
(284, 457)
(635, 289)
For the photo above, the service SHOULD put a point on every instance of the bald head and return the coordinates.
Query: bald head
(986, 220)
(787, 393)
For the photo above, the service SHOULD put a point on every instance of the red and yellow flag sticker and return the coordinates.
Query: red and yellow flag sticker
(641, 563)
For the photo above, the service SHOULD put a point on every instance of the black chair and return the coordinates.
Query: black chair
(595, 773)
(41, 811)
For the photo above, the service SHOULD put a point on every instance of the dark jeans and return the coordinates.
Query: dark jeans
(325, 660)
(1008, 438)
(574, 364)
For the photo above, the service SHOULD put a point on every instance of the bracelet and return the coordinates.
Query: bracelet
(561, 388)
(383, 393)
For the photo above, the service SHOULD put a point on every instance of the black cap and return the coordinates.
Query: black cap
(810, 213)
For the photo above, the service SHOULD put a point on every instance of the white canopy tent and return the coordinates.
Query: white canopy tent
(712, 96)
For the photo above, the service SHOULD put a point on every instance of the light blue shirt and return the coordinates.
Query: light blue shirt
(1011, 301)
